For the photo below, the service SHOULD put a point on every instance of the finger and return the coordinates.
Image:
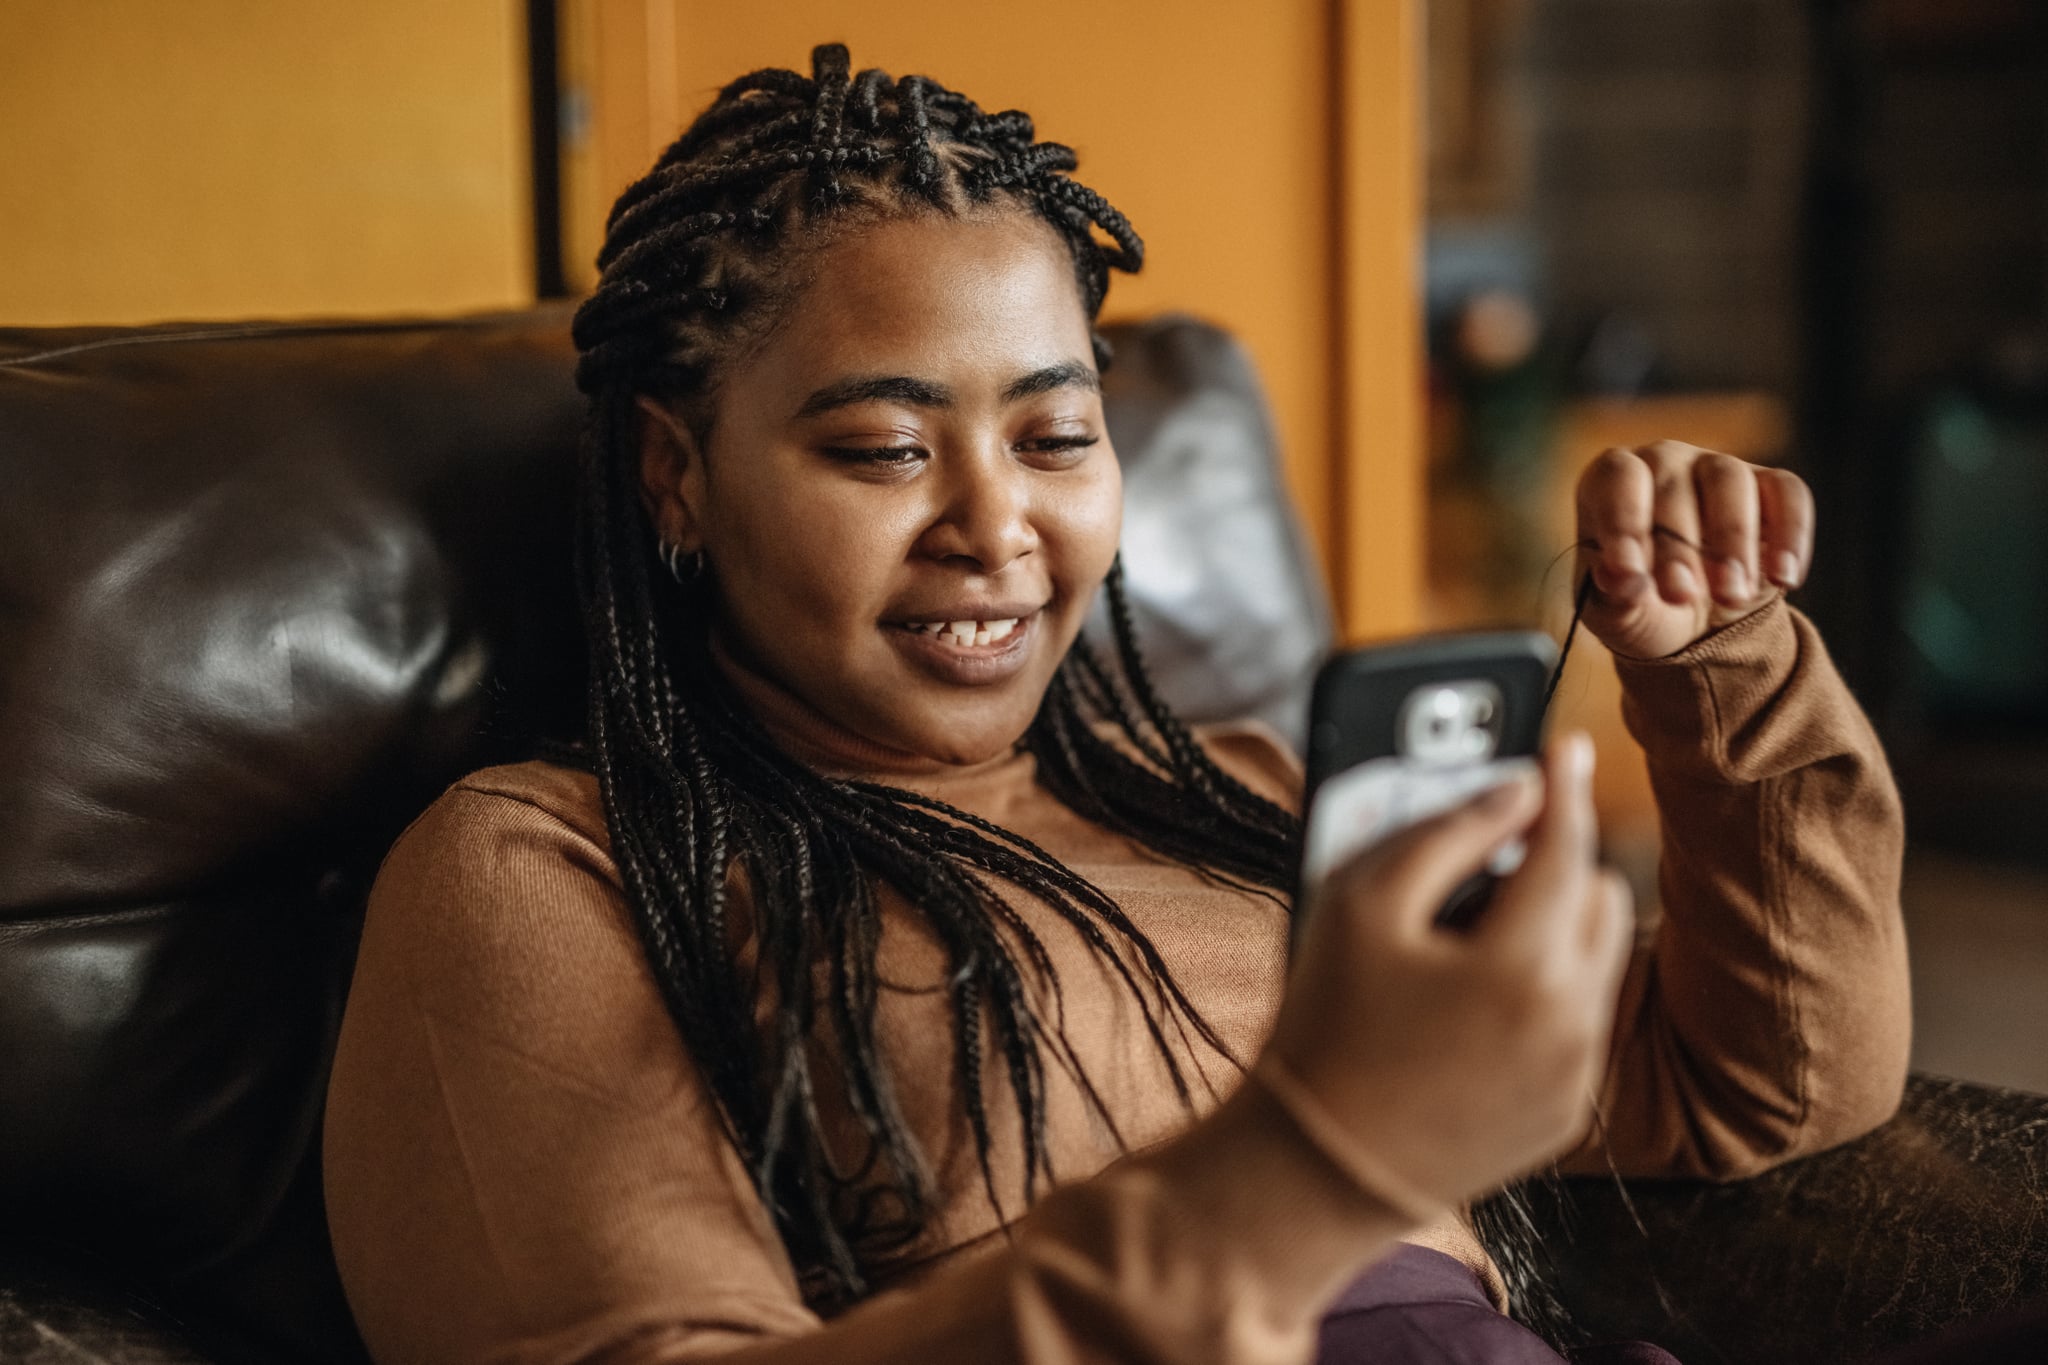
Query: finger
(1559, 859)
(1408, 876)
(1786, 505)
(1726, 492)
(1614, 518)
(1674, 507)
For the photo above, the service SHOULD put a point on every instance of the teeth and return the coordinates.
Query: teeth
(966, 633)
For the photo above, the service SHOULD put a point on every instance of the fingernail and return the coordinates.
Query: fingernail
(1629, 555)
(1734, 580)
(1682, 581)
(1785, 569)
(1619, 583)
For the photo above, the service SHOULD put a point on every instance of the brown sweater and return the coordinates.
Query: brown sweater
(524, 1165)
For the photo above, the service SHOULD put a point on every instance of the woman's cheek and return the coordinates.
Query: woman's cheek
(1092, 520)
(783, 563)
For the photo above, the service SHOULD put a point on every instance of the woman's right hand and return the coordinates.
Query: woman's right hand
(1445, 1063)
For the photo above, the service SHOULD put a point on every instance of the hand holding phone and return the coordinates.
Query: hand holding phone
(1437, 1065)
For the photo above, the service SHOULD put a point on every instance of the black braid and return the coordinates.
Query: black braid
(696, 792)
(699, 798)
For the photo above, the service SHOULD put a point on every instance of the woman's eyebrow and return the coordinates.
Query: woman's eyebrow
(881, 388)
(923, 393)
(1066, 374)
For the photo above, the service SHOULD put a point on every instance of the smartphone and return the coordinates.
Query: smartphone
(1403, 731)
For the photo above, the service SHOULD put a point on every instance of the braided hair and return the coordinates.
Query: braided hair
(701, 258)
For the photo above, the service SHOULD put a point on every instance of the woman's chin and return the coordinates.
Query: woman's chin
(963, 747)
(960, 725)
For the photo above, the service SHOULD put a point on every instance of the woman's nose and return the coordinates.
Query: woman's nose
(986, 516)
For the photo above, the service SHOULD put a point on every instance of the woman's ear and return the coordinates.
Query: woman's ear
(671, 475)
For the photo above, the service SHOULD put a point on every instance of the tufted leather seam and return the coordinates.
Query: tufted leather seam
(17, 926)
(273, 329)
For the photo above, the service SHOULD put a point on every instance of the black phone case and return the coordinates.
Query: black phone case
(1355, 709)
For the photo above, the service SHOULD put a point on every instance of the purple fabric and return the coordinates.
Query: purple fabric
(1421, 1307)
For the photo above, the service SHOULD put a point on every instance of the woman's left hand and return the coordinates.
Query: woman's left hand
(1682, 541)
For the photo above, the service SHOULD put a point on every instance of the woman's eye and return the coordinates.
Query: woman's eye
(1070, 446)
(880, 455)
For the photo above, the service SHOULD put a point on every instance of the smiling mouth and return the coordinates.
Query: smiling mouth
(964, 634)
(968, 653)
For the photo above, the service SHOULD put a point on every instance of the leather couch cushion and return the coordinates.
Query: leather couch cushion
(1225, 593)
(263, 591)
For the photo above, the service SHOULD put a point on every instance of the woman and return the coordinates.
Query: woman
(886, 905)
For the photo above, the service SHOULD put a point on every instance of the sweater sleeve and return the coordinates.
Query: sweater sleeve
(1770, 1016)
(524, 1165)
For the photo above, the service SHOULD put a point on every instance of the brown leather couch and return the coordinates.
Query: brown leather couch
(265, 590)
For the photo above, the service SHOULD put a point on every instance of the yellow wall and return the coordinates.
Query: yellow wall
(229, 158)
(233, 158)
(1378, 488)
(1253, 145)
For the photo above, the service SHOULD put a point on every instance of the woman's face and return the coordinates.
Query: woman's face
(908, 497)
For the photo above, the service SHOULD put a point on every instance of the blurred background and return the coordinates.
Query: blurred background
(1469, 244)
(1802, 231)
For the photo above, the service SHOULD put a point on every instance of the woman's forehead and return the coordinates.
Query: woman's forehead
(932, 293)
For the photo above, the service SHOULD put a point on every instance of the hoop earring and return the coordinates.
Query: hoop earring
(684, 569)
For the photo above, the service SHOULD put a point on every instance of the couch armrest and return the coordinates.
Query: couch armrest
(1939, 1216)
